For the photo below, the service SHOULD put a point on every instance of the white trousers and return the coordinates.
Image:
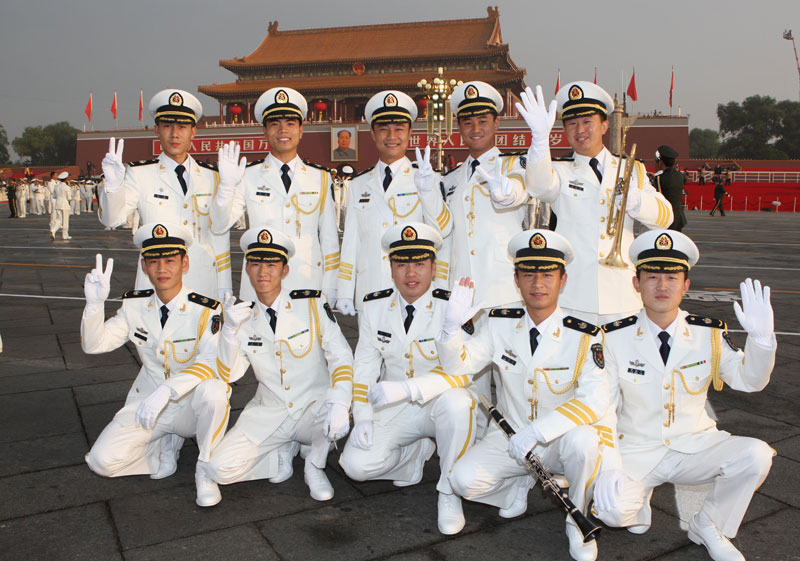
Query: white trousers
(487, 474)
(21, 206)
(60, 219)
(238, 458)
(123, 449)
(736, 467)
(397, 444)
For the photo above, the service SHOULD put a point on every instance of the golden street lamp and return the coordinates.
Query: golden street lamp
(439, 116)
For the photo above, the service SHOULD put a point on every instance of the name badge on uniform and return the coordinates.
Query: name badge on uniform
(451, 190)
(159, 196)
(255, 341)
(384, 337)
(575, 184)
(636, 367)
(509, 360)
(262, 191)
(364, 197)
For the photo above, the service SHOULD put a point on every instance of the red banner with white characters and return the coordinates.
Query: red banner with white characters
(208, 145)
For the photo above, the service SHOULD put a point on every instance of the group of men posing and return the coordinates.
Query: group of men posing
(39, 197)
(598, 370)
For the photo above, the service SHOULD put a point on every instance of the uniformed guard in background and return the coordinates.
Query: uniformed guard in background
(669, 182)
(171, 188)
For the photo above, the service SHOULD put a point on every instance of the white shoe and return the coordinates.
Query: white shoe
(426, 451)
(577, 549)
(451, 515)
(703, 531)
(168, 456)
(520, 504)
(638, 529)
(318, 484)
(52, 235)
(286, 454)
(207, 489)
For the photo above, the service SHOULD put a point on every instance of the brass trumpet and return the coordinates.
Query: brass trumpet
(616, 217)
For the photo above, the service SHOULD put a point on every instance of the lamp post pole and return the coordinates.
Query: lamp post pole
(788, 36)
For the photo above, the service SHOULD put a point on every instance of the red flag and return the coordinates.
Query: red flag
(88, 109)
(114, 106)
(558, 81)
(595, 75)
(632, 87)
(141, 104)
(671, 86)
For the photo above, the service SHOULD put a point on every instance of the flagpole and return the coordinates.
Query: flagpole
(671, 85)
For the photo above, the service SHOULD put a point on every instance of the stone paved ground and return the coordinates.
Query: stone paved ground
(54, 400)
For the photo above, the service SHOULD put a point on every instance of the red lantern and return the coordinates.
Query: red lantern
(422, 102)
(320, 105)
(235, 110)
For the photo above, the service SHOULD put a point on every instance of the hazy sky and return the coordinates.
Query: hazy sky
(53, 53)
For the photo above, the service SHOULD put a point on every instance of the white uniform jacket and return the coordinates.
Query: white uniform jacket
(306, 214)
(364, 267)
(62, 195)
(181, 354)
(482, 229)
(662, 407)
(385, 352)
(152, 187)
(581, 205)
(307, 360)
(562, 386)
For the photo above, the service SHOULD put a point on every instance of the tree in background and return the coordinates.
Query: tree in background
(3, 145)
(759, 128)
(703, 143)
(52, 145)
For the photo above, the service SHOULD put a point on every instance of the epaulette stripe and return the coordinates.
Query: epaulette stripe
(317, 166)
(207, 165)
(255, 162)
(522, 153)
(506, 313)
(203, 300)
(580, 325)
(305, 293)
(441, 294)
(619, 324)
(706, 322)
(138, 293)
(361, 172)
(379, 294)
(142, 162)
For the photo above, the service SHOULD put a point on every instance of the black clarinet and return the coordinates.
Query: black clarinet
(589, 530)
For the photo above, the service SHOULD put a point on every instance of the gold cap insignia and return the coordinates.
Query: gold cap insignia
(390, 100)
(575, 92)
(409, 234)
(159, 231)
(264, 237)
(176, 99)
(281, 96)
(471, 92)
(663, 242)
(538, 241)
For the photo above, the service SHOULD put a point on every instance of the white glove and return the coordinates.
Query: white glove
(755, 314)
(231, 171)
(523, 442)
(424, 177)
(97, 285)
(459, 307)
(607, 488)
(330, 296)
(361, 436)
(499, 186)
(540, 121)
(386, 393)
(337, 422)
(113, 168)
(235, 313)
(151, 407)
(633, 206)
(345, 306)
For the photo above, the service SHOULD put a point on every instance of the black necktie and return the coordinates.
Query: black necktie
(387, 178)
(474, 164)
(273, 319)
(663, 350)
(534, 341)
(164, 315)
(595, 165)
(179, 169)
(287, 181)
(409, 315)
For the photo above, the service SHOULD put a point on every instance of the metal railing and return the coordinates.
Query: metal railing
(752, 176)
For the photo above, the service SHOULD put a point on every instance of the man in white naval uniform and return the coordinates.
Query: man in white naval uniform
(382, 196)
(23, 190)
(176, 394)
(174, 188)
(551, 386)
(580, 189)
(304, 369)
(661, 363)
(37, 206)
(87, 195)
(401, 395)
(61, 195)
(48, 193)
(283, 193)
